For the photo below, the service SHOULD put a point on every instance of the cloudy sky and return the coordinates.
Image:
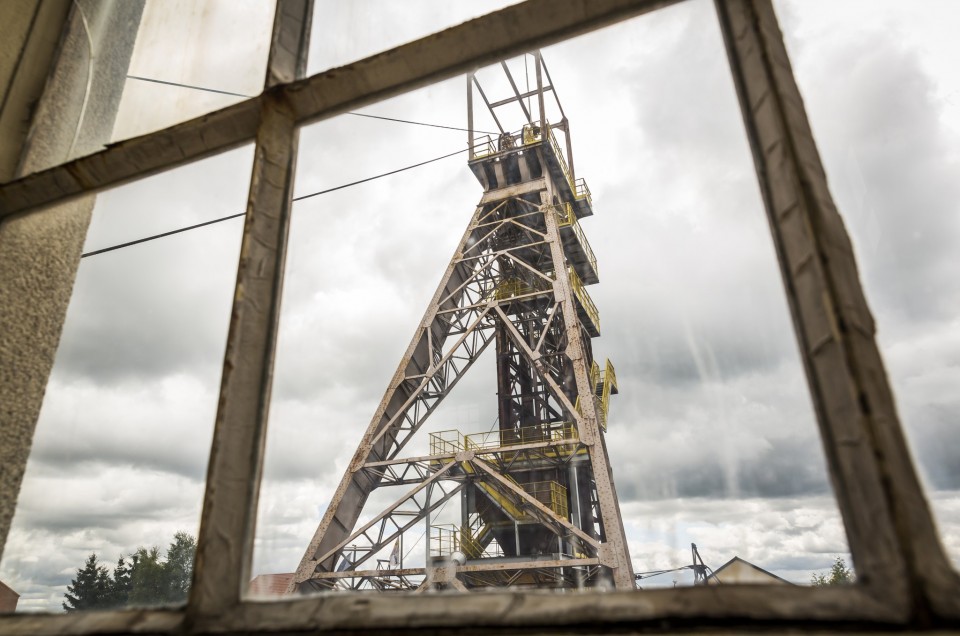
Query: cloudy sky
(712, 438)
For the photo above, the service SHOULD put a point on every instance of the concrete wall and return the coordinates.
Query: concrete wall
(40, 253)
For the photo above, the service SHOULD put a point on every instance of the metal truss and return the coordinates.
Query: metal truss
(515, 280)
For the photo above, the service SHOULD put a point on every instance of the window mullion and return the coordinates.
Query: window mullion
(888, 523)
(229, 515)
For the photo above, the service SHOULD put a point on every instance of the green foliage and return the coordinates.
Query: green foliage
(839, 574)
(92, 589)
(141, 579)
(180, 566)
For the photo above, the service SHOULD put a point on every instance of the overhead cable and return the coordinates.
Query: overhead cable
(299, 198)
(220, 92)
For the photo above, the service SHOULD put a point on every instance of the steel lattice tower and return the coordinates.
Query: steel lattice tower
(538, 503)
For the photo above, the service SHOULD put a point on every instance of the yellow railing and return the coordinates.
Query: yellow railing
(469, 544)
(565, 214)
(609, 379)
(448, 538)
(523, 435)
(446, 442)
(561, 159)
(585, 301)
(579, 186)
(606, 381)
(585, 244)
(485, 147)
(512, 287)
(599, 408)
(550, 494)
(581, 191)
(609, 382)
(453, 441)
(444, 540)
(532, 133)
(566, 217)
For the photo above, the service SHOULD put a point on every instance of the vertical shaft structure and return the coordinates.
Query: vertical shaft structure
(538, 503)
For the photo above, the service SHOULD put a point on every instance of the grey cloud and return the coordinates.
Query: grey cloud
(935, 439)
(159, 308)
(787, 468)
(893, 169)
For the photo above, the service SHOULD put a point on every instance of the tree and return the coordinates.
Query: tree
(179, 566)
(148, 580)
(92, 589)
(123, 580)
(141, 579)
(840, 574)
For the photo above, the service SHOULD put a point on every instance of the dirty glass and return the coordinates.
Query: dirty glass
(888, 129)
(110, 504)
(711, 436)
(363, 262)
(192, 58)
(345, 32)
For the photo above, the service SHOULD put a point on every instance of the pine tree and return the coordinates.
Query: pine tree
(142, 579)
(92, 589)
(122, 583)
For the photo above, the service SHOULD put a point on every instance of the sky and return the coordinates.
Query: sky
(712, 439)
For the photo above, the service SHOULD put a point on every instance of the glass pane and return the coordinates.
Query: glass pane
(193, 57)
(888, 129)
(119, 457)
(352, 297)
(711, 436)
(345, 32)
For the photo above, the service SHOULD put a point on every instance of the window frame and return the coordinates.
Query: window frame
(904, 578)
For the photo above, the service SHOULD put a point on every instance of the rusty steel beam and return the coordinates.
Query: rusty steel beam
(615, 552)
(396, 504)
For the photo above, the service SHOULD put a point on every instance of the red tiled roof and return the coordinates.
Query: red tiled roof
(270, 584)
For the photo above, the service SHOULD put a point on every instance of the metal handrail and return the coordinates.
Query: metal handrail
(501, 438)
(446, 442)
(582, 191)
(585, 245)
(511, 287)
(551, 494)
(585, 301)
(565, 214)
(561, 159)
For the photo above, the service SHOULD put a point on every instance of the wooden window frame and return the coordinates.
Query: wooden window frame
(904, 579)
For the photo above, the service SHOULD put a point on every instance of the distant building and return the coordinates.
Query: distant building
(8, 598)
(736, 570)
(270, 584)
